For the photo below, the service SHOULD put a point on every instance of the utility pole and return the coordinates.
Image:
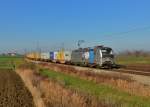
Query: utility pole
(38, 47)
(62, 46)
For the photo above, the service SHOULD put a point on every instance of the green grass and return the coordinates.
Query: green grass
(8, 61)
(129, 60)
(101, 91)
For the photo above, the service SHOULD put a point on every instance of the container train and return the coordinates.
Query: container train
(98, 56)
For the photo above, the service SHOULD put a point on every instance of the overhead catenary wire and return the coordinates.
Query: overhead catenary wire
(129, 31)
(118, 35)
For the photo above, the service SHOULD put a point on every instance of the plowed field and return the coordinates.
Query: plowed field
(13, 92)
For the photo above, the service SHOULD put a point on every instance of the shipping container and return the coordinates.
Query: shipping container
(67, 56)
(53, 56)
(31, 56)
(37, 56)
(61, 56)
(45, 56)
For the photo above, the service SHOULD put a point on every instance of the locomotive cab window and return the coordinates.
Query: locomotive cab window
(107, 52)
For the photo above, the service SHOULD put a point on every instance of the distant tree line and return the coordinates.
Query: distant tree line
(136, 53)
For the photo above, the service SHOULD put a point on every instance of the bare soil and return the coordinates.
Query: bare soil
(13, 92)
(139, 67)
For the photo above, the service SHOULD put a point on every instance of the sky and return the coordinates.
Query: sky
(26, 25)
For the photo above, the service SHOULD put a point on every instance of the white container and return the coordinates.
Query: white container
(67, 56)
(55, 55)
(45, 56)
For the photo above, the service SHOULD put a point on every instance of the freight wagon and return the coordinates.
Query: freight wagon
(60, 57)
(92, 56)
(53, 56)
(37, 56)
(67, 57)
(33, 56)
(45, 56)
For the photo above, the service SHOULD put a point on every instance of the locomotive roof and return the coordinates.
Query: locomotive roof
(89, 48)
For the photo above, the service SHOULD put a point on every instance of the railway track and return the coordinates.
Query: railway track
(121, 70)
(145, 73)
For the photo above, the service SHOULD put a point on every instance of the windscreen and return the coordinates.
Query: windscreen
(107, 51)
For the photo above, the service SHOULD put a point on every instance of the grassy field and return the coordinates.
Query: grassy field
(9, 62)
(101, 91)
(130, 60)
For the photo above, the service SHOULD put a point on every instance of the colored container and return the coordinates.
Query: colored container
(37, 56)
(53, 56)
(61, 57)
(29, 55)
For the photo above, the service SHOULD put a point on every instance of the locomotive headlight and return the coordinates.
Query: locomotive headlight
(111, 52)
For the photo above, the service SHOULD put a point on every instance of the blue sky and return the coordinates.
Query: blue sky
(50, 23)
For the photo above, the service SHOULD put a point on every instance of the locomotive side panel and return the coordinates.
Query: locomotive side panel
(77, 57)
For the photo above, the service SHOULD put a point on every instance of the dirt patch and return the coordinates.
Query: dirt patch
(28, 78)
(13, 92)
(140, 67)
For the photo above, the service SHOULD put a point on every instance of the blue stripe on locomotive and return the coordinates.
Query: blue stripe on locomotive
(91, 56)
